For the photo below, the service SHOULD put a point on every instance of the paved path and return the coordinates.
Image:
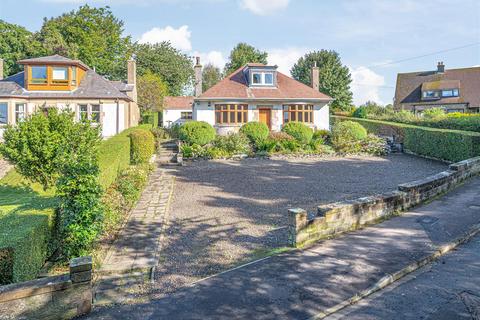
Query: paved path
(448, 289)
(137, 245)
(301, 284)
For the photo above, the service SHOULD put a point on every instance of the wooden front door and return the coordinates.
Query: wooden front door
(265, 115)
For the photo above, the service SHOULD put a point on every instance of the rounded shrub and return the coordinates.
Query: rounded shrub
(197, 132)
(301, 132)
(255, 131)
(346, 136)
(142, 146)
(360, 113)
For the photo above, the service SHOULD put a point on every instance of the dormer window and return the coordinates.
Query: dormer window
(261, 78)
(450, 93)
(268, 78)
(431, 94)
(60, 75)
(39, 74)
(256, 78)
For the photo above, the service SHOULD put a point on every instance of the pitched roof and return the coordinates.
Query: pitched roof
(54, 59)
(409, 86)
(235, 86)
(178, 103)
(92, 86)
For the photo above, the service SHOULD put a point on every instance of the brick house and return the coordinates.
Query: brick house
(454, 90)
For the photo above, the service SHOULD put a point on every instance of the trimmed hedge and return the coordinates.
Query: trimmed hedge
(255, 131)
(445, 144)
(142, 146)
(301, 132)
(197, 132)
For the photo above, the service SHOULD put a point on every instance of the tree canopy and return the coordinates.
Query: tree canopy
(242, 54)
(334, 77)
(151, 90)
(211, 76)
(174, 67)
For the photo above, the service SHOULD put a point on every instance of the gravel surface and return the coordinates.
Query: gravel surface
(227, 212)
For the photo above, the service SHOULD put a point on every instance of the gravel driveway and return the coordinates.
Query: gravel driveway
(227, 212)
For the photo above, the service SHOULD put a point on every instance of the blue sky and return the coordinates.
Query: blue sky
(370, 35)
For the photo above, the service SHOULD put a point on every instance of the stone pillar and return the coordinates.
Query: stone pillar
(297, 220)
(198, 77)
(315, 73)
(81, 277)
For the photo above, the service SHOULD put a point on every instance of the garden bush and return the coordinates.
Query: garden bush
(197, 132)
(193, 151)
(301, 132)
(322, 134)
(360, 112)
(142, 146)
(346, 132)
(235, 143)
(255, 131)
(434, 114)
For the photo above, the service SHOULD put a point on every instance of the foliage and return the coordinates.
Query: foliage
(78, 189)
(434, 114)
(151, 90)
(197, 132)
(174, 131)
(171, 65)
(235, 143)
(374, 145)
(193, 151)
(142, 146)
(211, 75)
(322, 134)
(255, 131)
(33, 146)
(347, 135)
(16, 43)
(92, 35)
(242, 54)
(300, 131)
(279, 142)
(360, 112)
(335, 78)
(160, 134)
(450, 145)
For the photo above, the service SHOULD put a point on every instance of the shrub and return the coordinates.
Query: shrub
(255, 131)
(360, 112)
(193, 151)
(217, 153)
(301, 132)
(322, 134)
(197, 132)
(174, 131)
(142, 146)
(279, 142)
(374, 145)
(236, 143)
(433, 114)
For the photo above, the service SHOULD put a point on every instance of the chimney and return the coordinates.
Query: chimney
(198, 77)
(315, 76)
(1, 69)
(132, 77)
(440, 67)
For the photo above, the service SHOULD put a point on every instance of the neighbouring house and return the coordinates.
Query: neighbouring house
(454, 90)
(176, 110)
(56, 81)
(258, 92)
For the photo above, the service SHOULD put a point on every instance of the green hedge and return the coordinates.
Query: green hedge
(142, 146)
(445, 144)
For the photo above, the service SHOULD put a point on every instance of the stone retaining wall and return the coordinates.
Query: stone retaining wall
(57, 297)
(335, 218)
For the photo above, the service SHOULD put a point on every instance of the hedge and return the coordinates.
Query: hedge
(27, 213)
(142, 146)
(445, 144)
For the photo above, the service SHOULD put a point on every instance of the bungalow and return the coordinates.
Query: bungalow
(454, 90)
(254, 92)
(56, 81)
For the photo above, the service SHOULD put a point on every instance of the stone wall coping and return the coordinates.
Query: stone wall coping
(426, 182)
(81, 264)
(465, 164)
(34, 287)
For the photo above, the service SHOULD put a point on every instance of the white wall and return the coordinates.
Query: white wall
(109, 119)
(321, 116)
(172, 117)
(202, 112)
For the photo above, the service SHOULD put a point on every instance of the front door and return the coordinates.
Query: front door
(264, 115)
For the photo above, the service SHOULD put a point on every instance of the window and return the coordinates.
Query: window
(74, 75)
(257, 78)
(268, 78)
(431, 94)
(60, 75)
(450, 93)
(231, 113)
(300, 113)
(39, 74)
(95, 113)
(19, 112)
(186, 115)
(3, 113)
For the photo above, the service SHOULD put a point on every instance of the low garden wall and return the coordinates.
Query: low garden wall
(58, 297)
(444, 144)
(336, 218)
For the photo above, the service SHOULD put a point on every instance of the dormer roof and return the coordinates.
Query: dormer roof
(55, 60)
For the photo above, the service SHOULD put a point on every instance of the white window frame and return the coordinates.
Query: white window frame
(89, 112)
(64, 71)
(262, 75)
(253, 77)
(20, 114)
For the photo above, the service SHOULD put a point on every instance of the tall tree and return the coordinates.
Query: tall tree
(174, 67)
(335, 78)
(242, 54)
(16, 43)
(211, 75)
(93, 35)
(151, 90)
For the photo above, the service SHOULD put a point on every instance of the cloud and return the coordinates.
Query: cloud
(365, 85)
(179, 38)
(214, 57)
(263, 7)
(285, 58)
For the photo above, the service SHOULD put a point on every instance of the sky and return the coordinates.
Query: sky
(376, 39)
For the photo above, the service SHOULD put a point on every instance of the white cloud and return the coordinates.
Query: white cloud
(264, 7)
(214, 57)
(179, 38)
(285, 58)
(365, 85)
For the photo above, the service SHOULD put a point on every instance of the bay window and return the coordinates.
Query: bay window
(298, 113)
(3, 113)
(231, 113)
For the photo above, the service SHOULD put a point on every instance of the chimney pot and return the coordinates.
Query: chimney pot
(1, 69)
(198, 77)
(440, 67)
(315, 75)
